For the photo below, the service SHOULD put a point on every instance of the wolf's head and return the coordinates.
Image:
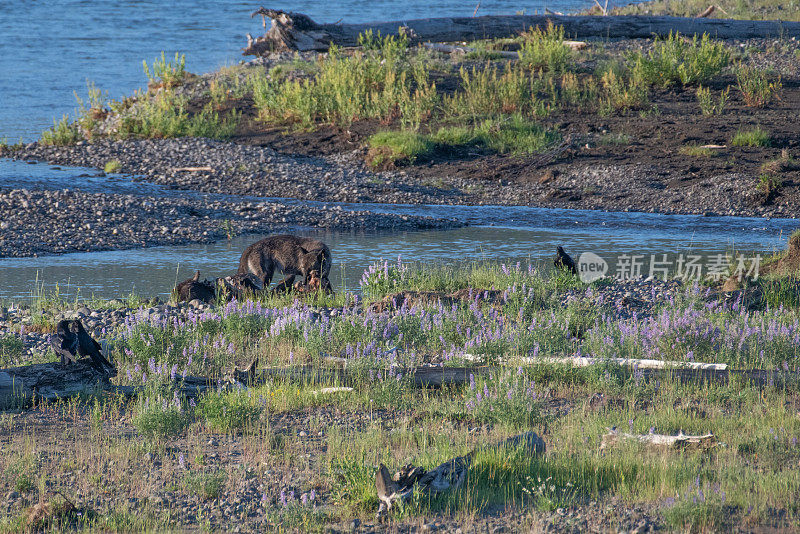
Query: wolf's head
(311, 260)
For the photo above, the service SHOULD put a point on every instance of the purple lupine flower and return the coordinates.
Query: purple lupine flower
(181, 461)
(304, 499)
(283, 498)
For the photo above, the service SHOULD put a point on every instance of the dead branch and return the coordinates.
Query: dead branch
(659, 441)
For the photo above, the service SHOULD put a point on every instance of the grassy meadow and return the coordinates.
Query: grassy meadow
(283, 456)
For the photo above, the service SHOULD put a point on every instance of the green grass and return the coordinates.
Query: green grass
(746, 480)
(206, 485)
(507, 135)
(157, 416)
(676, 60)
(228, 412)
(388, 148)
(755, 137)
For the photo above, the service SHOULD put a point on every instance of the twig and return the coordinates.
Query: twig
(476, 9)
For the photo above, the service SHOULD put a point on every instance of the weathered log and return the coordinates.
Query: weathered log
(295, 31)
(659, 441)
(49, 381)
(448, 476)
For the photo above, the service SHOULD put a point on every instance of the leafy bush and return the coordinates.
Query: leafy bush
(675, 59)
(488, 92)
(63, 132)
(170, 73)
(619, 93)
(757, 89)
(378, 82)
(706, 101)
(545, 49)
(164, 115)
(157, 417)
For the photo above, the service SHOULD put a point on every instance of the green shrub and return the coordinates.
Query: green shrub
(63, 132)
(514, 134)
(706, 101)
(487, 92)
(170, 73)
(157, 417)
(755, 137)
(757, 89)
(674, 60)
(112, 166)
(378, 82)
(618, 93)
(769, 183)
(10, 350)
(545, 49)
(164, 115)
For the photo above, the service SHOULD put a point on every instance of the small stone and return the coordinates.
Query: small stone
(195, 303)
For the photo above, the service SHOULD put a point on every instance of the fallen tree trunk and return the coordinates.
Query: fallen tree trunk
(295, 31)
(49, 381)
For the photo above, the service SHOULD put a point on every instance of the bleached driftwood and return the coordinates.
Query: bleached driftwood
(448, 476)
(329, 391)
(295, 31)
(193, 169)
(454, 49)
(584, 361)
(49, 381)
(659, 441)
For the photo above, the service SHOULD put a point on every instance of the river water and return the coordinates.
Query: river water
(49, 49)
(496, 234)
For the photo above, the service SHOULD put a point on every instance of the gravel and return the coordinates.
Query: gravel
(50, 222)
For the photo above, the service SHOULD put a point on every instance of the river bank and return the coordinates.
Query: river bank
(38, 222)
(641, 146)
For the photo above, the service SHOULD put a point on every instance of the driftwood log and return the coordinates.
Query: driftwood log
(659, 441)
(49, 382)
(295, 31)
(448, 476)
